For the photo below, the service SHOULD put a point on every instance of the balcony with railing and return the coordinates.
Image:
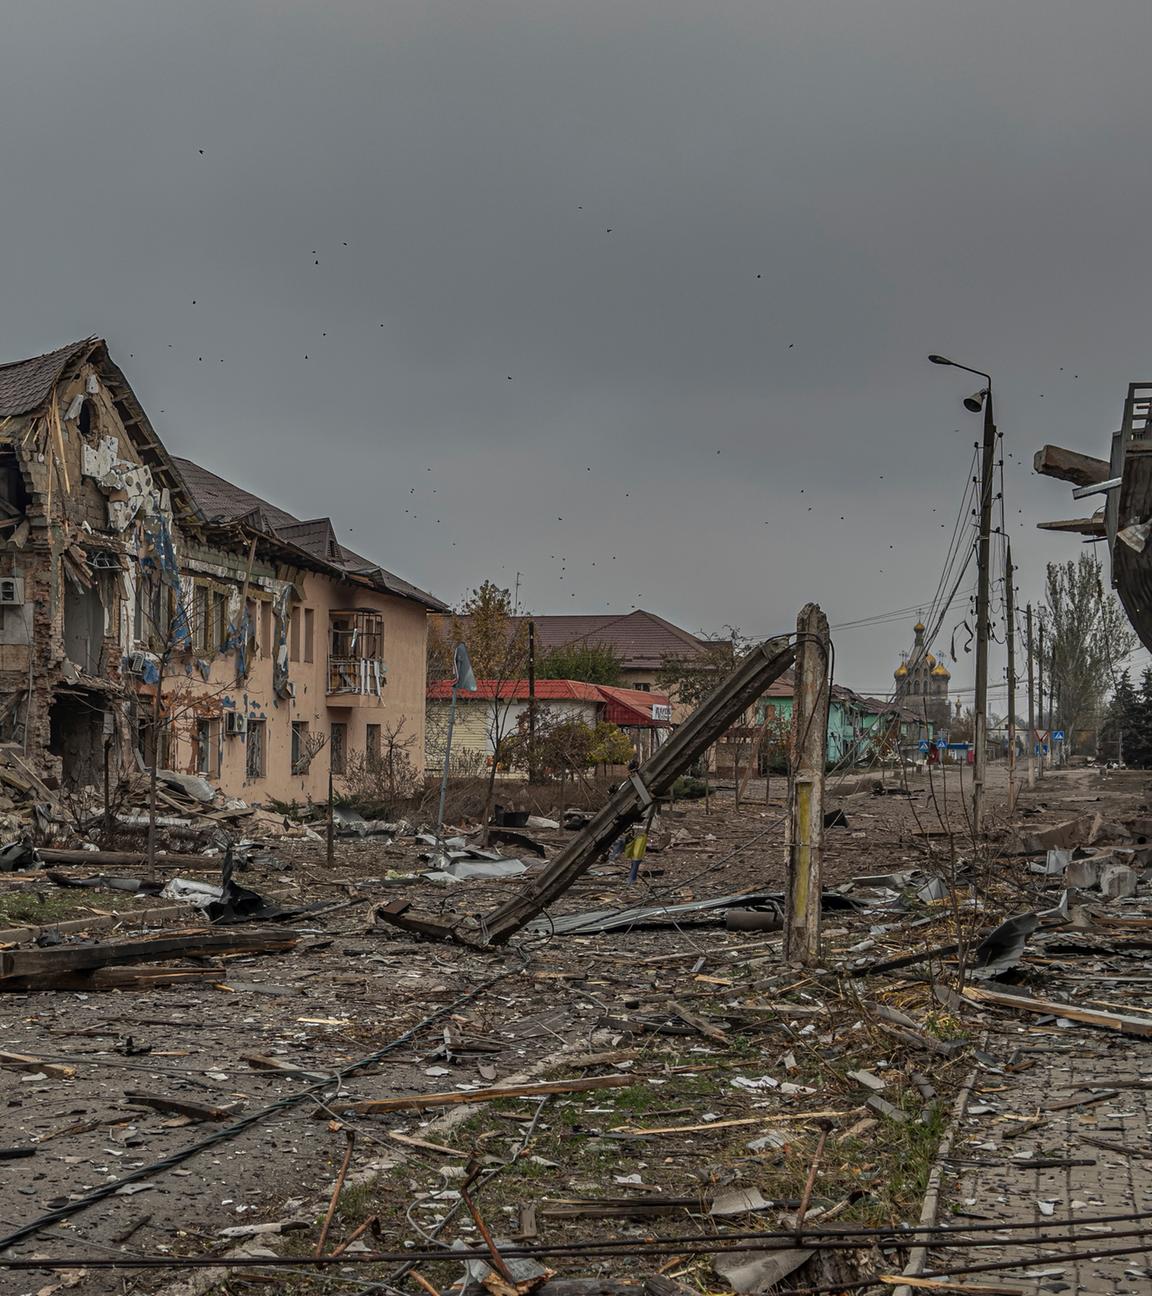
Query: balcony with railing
(356, 670)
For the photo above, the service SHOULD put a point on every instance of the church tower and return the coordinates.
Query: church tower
(922, 682)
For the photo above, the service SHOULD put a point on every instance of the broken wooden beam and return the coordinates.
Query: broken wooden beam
(131, 859)
(89, 956)
(22, 1062)
(114, 978)
(761, 667)
(453, 1097)
(1071, 466)
(1122, 1023)
(258, 1062)
(180, 1106)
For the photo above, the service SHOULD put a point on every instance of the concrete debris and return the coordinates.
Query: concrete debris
(1117, 881)
(758, 1272)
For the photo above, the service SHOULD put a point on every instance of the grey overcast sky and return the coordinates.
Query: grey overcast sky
(631, 297)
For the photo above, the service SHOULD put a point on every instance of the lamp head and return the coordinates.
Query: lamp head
(975, 403)
(939, 359)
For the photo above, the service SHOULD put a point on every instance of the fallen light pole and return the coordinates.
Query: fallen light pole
(629, 803)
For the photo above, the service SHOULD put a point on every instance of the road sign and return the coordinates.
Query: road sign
(1058, 736)
(923, 744)
(941, 744)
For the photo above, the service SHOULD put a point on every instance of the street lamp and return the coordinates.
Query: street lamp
(980, 400)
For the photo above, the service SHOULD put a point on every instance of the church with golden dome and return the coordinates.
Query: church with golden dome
(922, 682)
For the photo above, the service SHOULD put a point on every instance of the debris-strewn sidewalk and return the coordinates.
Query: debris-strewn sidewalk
(641, 1088)
(1066, 1138)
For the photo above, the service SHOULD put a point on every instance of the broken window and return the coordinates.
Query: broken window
(338, 752)
(201, 621)
(254, 755)
(13, 496)
(266, 628)
(152, 741)
(372, 745)
(250, 629)
(294, 636)
(84, 627)
(301, 753)
(152, 613)
(309, 630)
(355, 653)
(219, 620)
(207, 742)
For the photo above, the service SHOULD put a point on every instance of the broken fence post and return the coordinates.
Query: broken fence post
(806, 786)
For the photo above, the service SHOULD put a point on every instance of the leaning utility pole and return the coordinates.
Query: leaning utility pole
(806, 787)
(1010, 636)
(1031, 705)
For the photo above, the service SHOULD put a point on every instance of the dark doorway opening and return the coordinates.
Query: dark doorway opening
(77, 736)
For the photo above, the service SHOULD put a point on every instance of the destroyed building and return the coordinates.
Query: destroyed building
(149, 607)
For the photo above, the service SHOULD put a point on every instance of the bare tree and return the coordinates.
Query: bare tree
(497, 643)
(1087, 638)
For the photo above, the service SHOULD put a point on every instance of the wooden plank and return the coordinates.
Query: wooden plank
(1122, 1023)
(376, 1106)
(698, 1023)
(84, 957)
(409, 1141)
(130, 859)
(792, 1118)
(180, 1106)
(1070, 466)
(258, 1062)
(22, 1062)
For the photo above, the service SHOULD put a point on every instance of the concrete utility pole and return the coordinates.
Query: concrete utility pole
(1040, 688)
(981, 400)
(806, 787)
(1031, 706)
(1010, 636)
(531, 701)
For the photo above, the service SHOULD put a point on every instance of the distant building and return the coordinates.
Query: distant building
(641, 641)
(498, 706)
(922, 682)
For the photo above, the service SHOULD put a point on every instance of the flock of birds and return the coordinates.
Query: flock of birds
(565, 569)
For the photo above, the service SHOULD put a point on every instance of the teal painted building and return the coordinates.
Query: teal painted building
(859, 728)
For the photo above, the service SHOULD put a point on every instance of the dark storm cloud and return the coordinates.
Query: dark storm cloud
(803, 199)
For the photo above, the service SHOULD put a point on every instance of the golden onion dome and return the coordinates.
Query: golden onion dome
(900, 671)
(942, 672)
(919, 627)
(931, 660)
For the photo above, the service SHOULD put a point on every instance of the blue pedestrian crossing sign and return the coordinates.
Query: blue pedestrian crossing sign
(923, 744)
(1058, 736)
(941, 744)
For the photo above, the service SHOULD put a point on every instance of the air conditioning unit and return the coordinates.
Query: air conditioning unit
(137, 662)
(11, 591)
(235, 723)
(289, 689)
